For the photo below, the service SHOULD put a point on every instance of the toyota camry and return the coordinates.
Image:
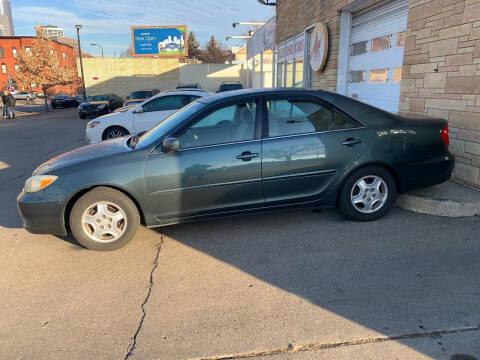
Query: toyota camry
(233, 153)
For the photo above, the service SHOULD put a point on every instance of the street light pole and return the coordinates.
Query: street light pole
(84, 92)
(99, 45)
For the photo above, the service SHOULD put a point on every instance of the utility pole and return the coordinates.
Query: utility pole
(84, 92)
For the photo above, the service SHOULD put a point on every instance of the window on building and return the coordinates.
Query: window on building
(378, 76)
(381, 43)
(291, 117)
(27, 48)
(356, 76)
(225, 125)
(64, 56)
(359, 48)
(289, 73)
(1, 52)
(14, 52)
(298, 72)
(280, 69)
(2, 31)
(16, 67)
(400, 39)
(4, 69)
(397, 74)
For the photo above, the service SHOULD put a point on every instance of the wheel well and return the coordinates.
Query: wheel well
(391, 170)
(114, 127)
(73, 200)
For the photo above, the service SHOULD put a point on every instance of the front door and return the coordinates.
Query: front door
(307, 145)
(217, 169)
(156, 110)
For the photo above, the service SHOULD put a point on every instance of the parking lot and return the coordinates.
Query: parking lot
(288, 285)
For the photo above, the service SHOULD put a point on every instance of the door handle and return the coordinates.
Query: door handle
(351, 142)
(247, 156)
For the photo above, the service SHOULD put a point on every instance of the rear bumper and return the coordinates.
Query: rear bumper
(427, 173)
(41, 216)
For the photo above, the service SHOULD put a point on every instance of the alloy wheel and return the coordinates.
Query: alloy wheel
(104, 222)
(369, 194)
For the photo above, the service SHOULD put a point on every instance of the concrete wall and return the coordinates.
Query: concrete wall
(121, 76)
(441, 74)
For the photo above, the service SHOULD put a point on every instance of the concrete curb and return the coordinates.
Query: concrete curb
(430, 206)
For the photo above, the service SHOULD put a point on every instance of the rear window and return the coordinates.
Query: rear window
(141, 95)
(230, 87)
(97, 98)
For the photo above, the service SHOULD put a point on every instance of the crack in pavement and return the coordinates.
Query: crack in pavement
(133, 342)
(319, 346)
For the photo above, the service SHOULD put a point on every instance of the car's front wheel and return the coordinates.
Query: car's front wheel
(104, 219)
(114, 132)
(367, 194)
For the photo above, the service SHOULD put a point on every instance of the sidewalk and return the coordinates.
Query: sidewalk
(447, 199)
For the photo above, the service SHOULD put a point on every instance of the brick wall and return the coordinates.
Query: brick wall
(441, 74)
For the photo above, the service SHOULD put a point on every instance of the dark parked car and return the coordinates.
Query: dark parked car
(63, 101)
(97, 105)
(140, 96)
(230, 86)
(237, 152)
(189, 86)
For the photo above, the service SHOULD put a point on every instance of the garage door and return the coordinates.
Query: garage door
(376, 54)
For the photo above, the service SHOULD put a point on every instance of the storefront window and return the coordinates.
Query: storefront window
(289, 74)
(377, 75)
(298, 72)
(280, 69)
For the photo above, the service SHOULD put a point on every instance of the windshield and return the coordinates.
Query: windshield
(97, 98)
(140, 95)
(169, 124)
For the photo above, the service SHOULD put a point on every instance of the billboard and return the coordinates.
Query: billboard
(162, 41)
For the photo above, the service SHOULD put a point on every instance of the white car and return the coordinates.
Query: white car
(141, 117)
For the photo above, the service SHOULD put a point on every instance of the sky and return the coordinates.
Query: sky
(108, 21)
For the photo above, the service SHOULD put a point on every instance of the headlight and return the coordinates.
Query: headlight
(93, 124)
(38, 182)
(101, 106)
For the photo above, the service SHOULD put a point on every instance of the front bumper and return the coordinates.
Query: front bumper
(40, 215)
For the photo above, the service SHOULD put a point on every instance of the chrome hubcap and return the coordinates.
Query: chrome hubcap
(112, 134)
(369, 194)
(104, 222)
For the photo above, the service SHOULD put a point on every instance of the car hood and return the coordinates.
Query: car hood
(83, 154)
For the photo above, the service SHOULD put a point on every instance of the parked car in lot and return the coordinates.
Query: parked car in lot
(28, 96)
(140, 96)
(142, 117)
(97, 105)
(229, 86)
(238, 152)
(63, 101)
(79, 99)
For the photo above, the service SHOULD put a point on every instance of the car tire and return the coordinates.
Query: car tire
(104, 219)
(114, 132)
(367, 194)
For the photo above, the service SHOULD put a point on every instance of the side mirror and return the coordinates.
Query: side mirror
(170, 145)
(138, 110)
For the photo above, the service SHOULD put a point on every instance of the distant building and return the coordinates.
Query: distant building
(52, 31)
(6, 20)
(10, 47)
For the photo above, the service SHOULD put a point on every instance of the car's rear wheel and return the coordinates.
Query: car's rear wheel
(104, 219)
(367, 194)
(114, 132)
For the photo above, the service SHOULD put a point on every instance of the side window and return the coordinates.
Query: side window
(166, 103)
(342, 122)
(225, 125)
(290, 117)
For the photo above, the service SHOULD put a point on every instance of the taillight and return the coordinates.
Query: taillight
(444, 135)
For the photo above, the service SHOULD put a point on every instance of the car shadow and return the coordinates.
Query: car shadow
(403, 274)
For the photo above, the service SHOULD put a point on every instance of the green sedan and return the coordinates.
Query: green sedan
(234, 153)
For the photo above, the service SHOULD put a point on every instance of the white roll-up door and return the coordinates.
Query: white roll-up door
(376, 53)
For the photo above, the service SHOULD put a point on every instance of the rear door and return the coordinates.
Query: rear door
(306, 144)
(158, 109)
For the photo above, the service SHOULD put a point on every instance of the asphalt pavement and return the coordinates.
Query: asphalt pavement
(288, 285)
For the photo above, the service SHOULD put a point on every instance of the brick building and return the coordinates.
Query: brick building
(10, 47)
(420, 57)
